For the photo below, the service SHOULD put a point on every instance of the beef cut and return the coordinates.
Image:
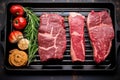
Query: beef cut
(76, 23)
(51, 37)
(101, 33)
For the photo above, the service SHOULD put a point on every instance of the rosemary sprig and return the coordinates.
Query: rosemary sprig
(31, 32)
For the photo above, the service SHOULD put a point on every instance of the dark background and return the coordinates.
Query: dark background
(73, 76)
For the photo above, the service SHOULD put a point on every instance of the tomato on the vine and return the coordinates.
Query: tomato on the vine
(17, 10)
(19, 23)
(15, 36)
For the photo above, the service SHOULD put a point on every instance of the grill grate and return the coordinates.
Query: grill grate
(67, 62)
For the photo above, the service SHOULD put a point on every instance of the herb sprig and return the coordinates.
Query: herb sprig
(31, 32)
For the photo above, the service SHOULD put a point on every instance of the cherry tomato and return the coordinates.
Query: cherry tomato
(15, 36)
(17, 10)
(19, 22)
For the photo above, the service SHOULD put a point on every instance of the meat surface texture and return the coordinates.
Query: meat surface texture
(51, 37)
(76, 23)
(101, 34)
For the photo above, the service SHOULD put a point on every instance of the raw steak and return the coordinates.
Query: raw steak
(101, 34)
(51, 37)
(76, 23)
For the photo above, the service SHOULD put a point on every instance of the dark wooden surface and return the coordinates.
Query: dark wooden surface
(73, 76)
